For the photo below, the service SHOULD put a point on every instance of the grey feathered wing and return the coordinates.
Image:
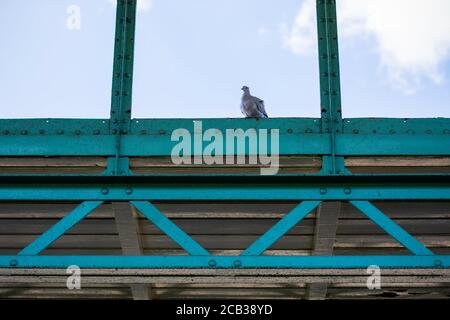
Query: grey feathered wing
(260, 105)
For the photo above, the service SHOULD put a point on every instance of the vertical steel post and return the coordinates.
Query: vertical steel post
(120, 117)
(330, 88)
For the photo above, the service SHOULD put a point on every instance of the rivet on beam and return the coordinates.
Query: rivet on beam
(212, 263)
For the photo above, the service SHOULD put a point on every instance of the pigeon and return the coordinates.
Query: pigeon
(252, 107)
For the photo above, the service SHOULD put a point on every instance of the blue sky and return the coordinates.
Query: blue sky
(192, 57)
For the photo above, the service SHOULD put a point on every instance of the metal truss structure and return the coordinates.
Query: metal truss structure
(120, 137)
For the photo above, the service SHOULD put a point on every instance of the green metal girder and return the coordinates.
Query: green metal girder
(122, 84)
(330, 88)
(229, 262)
(321, 188)
(161, 145)
(164, 127)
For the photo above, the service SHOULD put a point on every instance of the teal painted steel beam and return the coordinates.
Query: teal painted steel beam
(164, 127)
(52, 126)
(315, 191)
(154, 145)
(122, 84)
(169, 228)
(341, 262)
(306, 144)
(330, 88)
(400, 144)
(63, 225)
(395, 126)
(280, 228)
(392, 228)
(28, 146)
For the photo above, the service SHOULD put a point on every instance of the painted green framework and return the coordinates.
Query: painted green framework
(121, 137)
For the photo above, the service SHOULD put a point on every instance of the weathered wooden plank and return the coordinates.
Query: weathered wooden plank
(53, 162)
(337, 293)
(112, 272)
(293, 242)
(130, 241)
(232, 209)
(62, 293)
(33, 165)
(292, 161)
(160, 165)
(139, 280)
(327, 219)
(230, 226)
(396, 161)
(292, 164)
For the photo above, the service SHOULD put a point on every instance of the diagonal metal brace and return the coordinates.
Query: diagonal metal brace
(169, 228)
(55, 232)
(280, 228)
(392, 228)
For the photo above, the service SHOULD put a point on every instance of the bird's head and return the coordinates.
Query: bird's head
(245, 89)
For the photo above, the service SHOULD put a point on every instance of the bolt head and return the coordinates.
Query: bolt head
(347, 190)
(237, 263)
(105, 191)
(438, 263)
(128, 190)
(212, 263)
(13, 263)
(323, 191)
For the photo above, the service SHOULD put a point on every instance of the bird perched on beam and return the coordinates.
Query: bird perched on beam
(252, 107)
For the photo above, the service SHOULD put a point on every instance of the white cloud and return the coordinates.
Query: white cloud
(412, 36)
(301, 38)
(142, 5)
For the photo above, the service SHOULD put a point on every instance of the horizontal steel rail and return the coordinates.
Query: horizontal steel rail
(297, 137)
(225, 188)
(435, 261)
